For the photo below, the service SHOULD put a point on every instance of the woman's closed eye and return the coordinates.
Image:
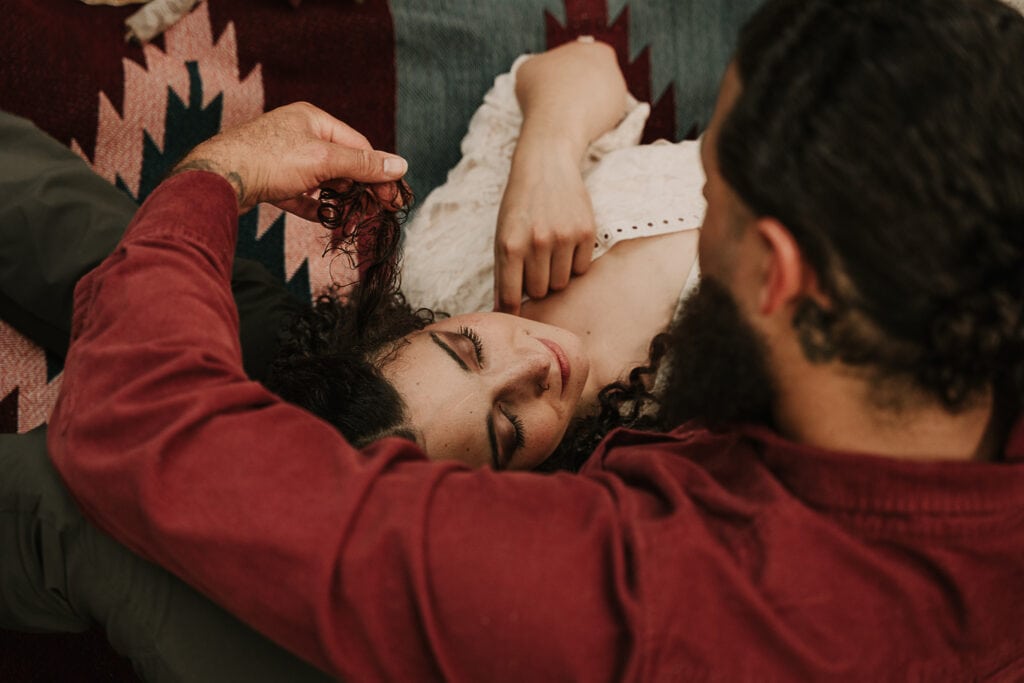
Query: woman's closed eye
(517, 434)
(517, 427)
(508, 430)
(478, 345)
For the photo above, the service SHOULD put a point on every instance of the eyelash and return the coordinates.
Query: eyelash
(478, 346)
(517, 425)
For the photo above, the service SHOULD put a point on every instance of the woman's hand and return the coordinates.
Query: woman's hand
(545, 231)
(284, 155)
(569, 96)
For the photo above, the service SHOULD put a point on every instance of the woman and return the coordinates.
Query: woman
(551, 159)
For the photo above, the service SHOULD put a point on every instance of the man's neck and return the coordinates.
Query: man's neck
(836, 411)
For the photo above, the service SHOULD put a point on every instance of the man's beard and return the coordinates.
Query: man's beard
(719, 372)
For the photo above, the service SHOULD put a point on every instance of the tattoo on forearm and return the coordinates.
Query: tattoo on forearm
(207, 165)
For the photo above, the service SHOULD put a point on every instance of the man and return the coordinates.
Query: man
(857, 347)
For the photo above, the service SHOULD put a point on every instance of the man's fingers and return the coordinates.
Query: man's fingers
(390, 194)
(338, 132)
(364, 165)
(302, 206)
(337, 184)
(508, 285)
(348, 154)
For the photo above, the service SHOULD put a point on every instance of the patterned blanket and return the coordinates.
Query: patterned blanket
(406, 73)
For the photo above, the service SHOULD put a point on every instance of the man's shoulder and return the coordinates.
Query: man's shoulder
(747, 533)
(691, 442)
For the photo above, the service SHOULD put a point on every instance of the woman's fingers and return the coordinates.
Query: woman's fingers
(508, 282)
(561, 268)
(537, 273)
(582, 257)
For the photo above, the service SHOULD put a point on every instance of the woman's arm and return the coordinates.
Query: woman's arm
(569, 96)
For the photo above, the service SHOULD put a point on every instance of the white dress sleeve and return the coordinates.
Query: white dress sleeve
(448, 252)
(646, 190)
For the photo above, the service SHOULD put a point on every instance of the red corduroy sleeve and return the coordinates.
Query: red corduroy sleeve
(374, 565)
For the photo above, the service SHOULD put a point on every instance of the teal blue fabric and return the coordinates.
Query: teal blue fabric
(448, 52)
(691, 42)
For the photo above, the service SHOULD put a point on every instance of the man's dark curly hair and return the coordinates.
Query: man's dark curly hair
(888, 137)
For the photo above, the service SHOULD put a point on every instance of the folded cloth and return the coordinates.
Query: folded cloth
(155, 18)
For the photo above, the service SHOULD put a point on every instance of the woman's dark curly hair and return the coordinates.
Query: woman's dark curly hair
(888, 137)
(330, 359)
(366, 227)
(331, 354)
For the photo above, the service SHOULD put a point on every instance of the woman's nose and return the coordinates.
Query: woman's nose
(531, 372)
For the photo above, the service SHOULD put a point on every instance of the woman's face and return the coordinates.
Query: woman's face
(489, 388)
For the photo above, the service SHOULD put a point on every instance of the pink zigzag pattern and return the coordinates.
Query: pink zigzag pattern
(119, 145)
(119, 137)
(24, 366)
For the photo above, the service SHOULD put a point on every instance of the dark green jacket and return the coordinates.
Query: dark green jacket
(59, 573)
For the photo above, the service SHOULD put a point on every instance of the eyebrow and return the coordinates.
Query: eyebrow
(491, 436)
(449, 350)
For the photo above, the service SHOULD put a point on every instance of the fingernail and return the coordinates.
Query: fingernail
(395, 166)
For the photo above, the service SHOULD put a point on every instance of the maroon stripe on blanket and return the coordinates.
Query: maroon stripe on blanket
(57, 56)
(337, 55)
(591, 17)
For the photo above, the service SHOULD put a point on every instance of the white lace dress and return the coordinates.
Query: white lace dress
(635, 190)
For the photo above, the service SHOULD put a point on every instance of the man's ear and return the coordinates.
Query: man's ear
(786, 275)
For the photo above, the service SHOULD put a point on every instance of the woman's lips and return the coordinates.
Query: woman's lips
(564, 368)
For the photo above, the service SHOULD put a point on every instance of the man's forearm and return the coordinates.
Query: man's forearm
(156, 429)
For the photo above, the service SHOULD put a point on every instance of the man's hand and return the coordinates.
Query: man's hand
(545, 231)
(284, 155)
